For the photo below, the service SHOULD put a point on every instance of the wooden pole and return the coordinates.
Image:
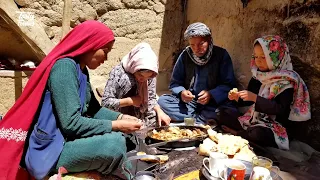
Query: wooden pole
(67, 8)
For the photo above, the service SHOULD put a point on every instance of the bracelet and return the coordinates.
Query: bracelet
(120, 116)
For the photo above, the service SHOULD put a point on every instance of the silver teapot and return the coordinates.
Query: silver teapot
(142, 175)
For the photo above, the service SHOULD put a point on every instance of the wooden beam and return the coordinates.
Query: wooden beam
(67, 8)
(39, 41)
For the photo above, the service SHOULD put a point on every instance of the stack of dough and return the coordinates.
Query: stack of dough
(233, 146)
(207, 147)
(245, 154)
(230, 144)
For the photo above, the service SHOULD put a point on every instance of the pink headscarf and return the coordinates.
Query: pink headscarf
(86, 37)
(141, 57)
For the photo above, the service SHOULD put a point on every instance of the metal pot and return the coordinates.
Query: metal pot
(142, 175)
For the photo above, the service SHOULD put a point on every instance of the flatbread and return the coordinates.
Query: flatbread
(234, 90)
(224, 143)
(163, 158)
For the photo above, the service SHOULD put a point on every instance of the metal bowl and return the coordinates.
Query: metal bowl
(145, 175)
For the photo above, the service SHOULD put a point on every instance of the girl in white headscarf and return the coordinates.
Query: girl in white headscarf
(131, 86)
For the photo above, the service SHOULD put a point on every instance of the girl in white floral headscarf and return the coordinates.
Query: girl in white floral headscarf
(276, 92)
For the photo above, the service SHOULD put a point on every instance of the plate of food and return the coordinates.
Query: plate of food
(177, 136)
(233, 146)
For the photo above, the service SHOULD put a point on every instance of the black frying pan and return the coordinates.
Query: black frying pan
(178, 143)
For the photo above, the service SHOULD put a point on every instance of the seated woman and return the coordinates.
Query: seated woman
(276, 93)
(131, 87)
(84, 127)
(201, 78)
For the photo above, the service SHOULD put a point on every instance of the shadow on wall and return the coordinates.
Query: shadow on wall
(171, 40)
(301, 29)
(312, 127)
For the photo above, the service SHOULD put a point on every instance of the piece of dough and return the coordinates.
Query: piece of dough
(205, 126)
(209, 143)
(245, 154)
(203, 150)
(230, 144)
(163, 158)
(234, 90)
(213, 135)
(142, 153)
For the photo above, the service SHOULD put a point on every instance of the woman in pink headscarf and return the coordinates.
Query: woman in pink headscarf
(84, 126)
(131, 87)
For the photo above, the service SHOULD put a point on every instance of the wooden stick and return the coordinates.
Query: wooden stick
(67, 8)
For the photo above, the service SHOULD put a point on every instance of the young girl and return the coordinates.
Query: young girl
(276, 93)
(131, 87)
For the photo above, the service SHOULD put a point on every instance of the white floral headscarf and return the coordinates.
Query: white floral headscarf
(280, 77)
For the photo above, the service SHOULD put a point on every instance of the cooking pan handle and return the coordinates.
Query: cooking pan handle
(151, 157)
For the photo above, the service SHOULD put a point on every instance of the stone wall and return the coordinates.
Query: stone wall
(133, 21)
(297, 21)
(161, 22)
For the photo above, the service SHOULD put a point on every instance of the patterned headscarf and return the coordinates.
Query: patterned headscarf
(141, 57)
(280, 77)
(198, 30)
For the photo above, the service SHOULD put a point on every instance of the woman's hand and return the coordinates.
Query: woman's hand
(163, 117)
(187, 96)
(126, 125)
(247, 96)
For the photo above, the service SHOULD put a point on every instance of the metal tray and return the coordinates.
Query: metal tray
(178, 143)
(211, 122)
